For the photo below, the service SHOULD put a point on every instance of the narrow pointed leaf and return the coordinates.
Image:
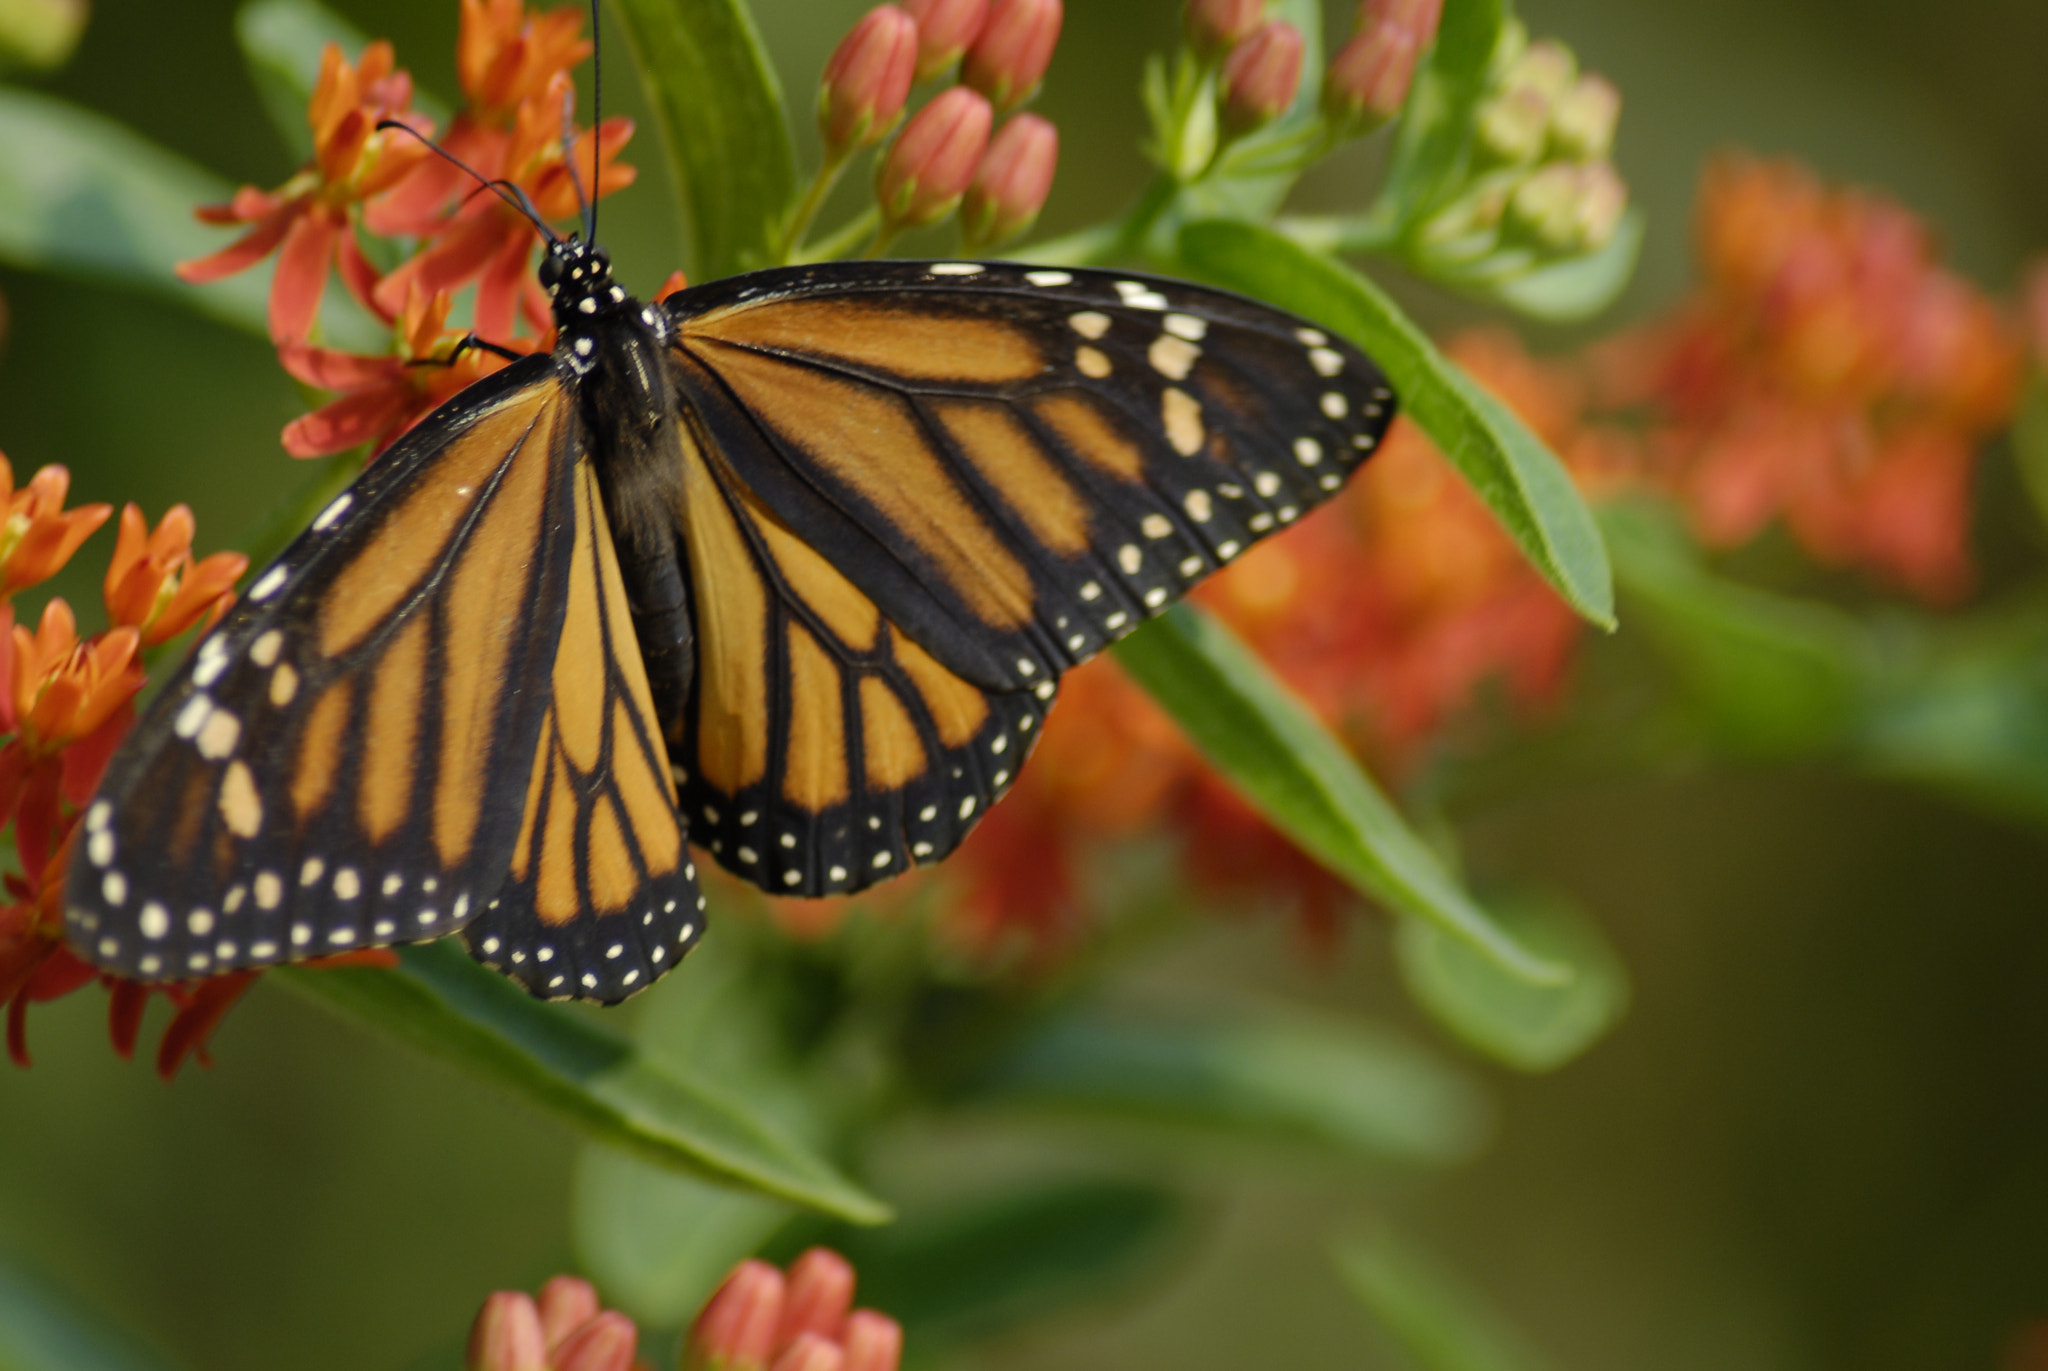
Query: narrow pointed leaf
(1529, 1027)
(441, 1002)
(83, 196)
(720, 111)
(1294, 1079)
(1281, 758)
(1520, 479)
(44, 1328)
(1438, 1320)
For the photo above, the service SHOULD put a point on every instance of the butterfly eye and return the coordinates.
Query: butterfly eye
(550, 271)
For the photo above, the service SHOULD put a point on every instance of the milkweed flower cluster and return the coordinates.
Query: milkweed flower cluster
(1828, 373)
(65, 703)
(760, 1319)
(368, 177)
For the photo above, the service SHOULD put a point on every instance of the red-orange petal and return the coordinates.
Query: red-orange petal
(246, 251)
(348, 422)
(301, 277)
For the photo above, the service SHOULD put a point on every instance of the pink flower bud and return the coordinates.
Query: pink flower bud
(507, 1335)
(820, 1293)
(605, 1343)
(945, 29)
(867, 80)
(1012, 182)
(929, 166)
(1260, 77)
(1009, 59)
(873, 1342)
(1216, 26)
(1368, 79)
(566, 1304)
(809, 1352)
(738, 1327)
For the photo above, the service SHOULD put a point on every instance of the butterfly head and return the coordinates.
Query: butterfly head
(578, 279)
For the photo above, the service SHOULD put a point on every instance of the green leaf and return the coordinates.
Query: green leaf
(1436, 1318)
(1281, 758)
(281, 41)
(83, 196)
(984, 1265)
(443, 1003)
(1343, 1085)
(44, 1328)
(720, 112)
(1433, 145)
(1530, 1027)
(1520, 479)
(659, 1243)
(1578, 287)
(1771, 675)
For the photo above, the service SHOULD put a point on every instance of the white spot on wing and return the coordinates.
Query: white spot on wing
(333, 512)
(1090, 324)
(1187, 326)
(956, 268)
(272, 580)
(1049, 278)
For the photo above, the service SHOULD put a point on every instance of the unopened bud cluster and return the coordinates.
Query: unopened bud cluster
(1541, 138)
(950, 155)
(1369, 78)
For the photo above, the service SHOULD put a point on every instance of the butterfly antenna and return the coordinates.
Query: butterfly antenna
(504, 190)
(583, 200)
(596, 115)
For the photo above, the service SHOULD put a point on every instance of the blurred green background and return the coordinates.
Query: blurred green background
(1820, 1140)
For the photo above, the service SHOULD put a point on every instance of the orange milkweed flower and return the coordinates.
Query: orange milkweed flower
(380, 398)
(307, 221)
(37, 534)
(505, 56)
(490, 242)
(154, 586)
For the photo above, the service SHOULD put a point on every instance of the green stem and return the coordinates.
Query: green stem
(885, 234)
(1339, 232)
(841, 243)
(807, 208)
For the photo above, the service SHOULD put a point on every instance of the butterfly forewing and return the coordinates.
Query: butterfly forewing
(341, 762)
(941, 485)
(602, 896)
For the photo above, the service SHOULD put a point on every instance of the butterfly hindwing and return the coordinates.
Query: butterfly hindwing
(946, 484)
(340, 761)
(602, 896)
(822, 748)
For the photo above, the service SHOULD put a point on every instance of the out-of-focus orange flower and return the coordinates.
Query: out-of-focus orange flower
(1829, 372)
(381, 397)
(155, 587)
(37, 534)
(566, 1329)
(307, 220)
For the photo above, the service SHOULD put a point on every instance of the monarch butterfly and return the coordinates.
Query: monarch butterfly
(786, 566)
